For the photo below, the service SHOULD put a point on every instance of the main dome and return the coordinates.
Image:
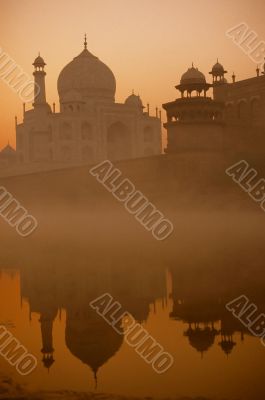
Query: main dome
(89, 76)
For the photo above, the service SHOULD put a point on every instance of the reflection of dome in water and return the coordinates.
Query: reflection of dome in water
(227, 345)
(87, 75)
(201, 339)
(92, 340)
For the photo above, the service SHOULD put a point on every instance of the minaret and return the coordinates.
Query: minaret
(39, 76)
(46, 320)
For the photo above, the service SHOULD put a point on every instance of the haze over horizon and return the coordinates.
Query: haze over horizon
(147, 44)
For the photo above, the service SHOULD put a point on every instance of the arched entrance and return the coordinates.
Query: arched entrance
(118, 142)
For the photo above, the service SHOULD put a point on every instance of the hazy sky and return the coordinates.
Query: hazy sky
(148, 44)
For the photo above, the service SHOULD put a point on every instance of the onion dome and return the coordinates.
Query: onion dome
(193, 80)
(89, 76)
(218, 70)
(134, 101)
(192, 76)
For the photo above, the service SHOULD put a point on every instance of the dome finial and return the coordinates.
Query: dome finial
(192, 64)
(85, 43)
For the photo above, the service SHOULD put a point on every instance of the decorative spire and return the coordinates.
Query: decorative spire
(85, 43)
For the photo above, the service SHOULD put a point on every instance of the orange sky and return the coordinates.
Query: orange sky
(148, 44)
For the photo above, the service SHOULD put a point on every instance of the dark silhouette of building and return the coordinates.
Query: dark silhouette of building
(233, 120)
(90, 126)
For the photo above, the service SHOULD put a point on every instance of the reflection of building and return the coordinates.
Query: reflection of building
(90, 126)
(201, 332)
(90, 338)
(233, 120)
(201, 316)
(200, 303)
(87, 335)
(46, 321)
(201, 338)
(42, 293)
(228, 328)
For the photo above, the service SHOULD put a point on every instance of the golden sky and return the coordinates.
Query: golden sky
(148, 44)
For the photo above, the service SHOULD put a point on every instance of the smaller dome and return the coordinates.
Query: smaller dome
(134, 101)
(39, 61)
(8, 150)
(218, 69)
(227, 346)
(192, 76)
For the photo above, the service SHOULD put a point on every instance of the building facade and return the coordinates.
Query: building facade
(90, 126)
(231, 120)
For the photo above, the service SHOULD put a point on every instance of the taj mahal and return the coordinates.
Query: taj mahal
(90, 125)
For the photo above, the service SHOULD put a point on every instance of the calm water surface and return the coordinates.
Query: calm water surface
(179, 298)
